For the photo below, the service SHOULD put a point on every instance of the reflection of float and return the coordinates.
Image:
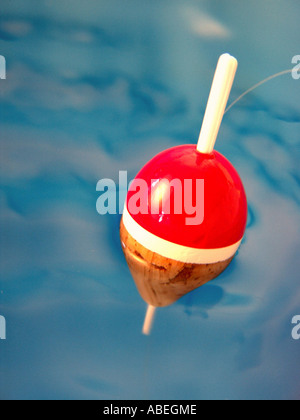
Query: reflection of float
(171, 253)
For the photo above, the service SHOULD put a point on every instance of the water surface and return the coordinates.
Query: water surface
(97, 88)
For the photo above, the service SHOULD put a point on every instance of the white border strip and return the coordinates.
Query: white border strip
(173, 251)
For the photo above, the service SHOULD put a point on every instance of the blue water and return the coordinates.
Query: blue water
(102, 86)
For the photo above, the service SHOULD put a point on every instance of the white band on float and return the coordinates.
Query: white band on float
(173, 251)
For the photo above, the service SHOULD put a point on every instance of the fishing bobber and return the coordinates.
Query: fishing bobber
(190, 226)
(186, 211)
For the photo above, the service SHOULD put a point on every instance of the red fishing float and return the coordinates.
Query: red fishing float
(186, 211)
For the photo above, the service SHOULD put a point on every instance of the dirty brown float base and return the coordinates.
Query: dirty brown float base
(162, 281)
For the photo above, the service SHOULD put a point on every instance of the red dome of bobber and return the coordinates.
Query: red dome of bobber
(200, 218)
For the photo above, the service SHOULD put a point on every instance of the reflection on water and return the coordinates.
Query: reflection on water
(95, 90)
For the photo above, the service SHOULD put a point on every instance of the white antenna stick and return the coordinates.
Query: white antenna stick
(149, 319)
(218, 98)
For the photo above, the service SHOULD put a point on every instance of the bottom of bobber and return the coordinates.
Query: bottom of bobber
(162, 281)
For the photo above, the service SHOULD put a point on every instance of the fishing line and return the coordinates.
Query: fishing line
(258, 85)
